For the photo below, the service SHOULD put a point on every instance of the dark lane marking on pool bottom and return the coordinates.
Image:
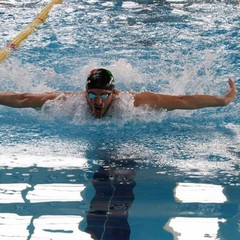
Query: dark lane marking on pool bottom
(107, 218)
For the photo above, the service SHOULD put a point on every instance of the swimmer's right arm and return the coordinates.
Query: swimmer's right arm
(26, 100)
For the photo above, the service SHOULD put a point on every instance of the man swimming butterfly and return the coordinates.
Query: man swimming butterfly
(100, 93)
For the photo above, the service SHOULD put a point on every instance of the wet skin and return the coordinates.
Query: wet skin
(99, 105)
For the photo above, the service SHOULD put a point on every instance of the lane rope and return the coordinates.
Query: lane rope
(27, 31)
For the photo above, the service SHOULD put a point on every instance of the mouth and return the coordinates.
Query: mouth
(98, 108)
(98, 111)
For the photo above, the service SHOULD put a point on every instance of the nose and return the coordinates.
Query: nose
(98, 101)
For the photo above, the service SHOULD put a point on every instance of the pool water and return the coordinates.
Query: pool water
(137, 173)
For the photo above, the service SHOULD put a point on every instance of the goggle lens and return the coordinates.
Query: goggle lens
(103, 96)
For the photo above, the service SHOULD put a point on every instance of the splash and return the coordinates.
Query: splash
(185, 78)
(75, 110)
(28, 78)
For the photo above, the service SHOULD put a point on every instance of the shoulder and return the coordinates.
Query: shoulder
(143, 98)
(139, 97)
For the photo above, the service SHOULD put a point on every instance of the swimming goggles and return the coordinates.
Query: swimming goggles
(103, 96)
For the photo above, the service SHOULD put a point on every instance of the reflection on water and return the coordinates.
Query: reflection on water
(130, 186)
(195, 228)
(43, 227)
(58, 227)
(40, 210)
(55, 192)
(12, 193)
(114, 204)
(203, 193)
(9, 221)
(173, 204)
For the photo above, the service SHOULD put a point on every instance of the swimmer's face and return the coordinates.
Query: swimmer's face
(99, 101)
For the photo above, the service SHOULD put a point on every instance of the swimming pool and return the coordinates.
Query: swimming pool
(136, 174)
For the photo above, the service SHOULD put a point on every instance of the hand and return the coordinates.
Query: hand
(232, 93)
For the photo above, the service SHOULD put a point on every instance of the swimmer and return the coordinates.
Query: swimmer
(100, 93)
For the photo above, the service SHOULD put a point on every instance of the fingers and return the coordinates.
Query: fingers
(232, 93)
(232, 85)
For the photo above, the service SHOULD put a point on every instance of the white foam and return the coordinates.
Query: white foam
(173, 79)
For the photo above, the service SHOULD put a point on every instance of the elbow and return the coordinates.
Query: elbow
(225, 103)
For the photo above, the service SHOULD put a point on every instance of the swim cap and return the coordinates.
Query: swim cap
(100, 78)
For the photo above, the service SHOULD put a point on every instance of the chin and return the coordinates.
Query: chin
(98, 114)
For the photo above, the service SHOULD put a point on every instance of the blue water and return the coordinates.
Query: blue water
(136, 174)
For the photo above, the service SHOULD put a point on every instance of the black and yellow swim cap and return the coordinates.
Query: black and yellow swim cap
(100, 78)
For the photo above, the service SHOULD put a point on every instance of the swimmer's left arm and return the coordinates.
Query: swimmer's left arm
(232, 92)
(170, 102)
